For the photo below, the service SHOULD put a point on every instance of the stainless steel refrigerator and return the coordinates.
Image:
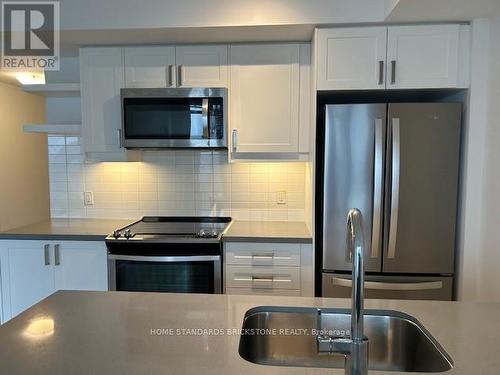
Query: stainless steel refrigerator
(398, 163)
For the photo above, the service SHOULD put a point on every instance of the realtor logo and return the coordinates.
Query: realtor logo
(30, 35)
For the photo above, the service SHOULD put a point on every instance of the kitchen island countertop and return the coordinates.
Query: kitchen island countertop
(128, 333)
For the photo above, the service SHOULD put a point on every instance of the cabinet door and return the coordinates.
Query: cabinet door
(149, 67)
(351, 58)
(27, 275)
(201, 66)
(423, 56)
(264, 102)
(81, 266)
(101, 77)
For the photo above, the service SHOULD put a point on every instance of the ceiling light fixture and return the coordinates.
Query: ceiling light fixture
(31, 78)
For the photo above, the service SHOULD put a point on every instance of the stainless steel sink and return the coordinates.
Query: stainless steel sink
(287, 336)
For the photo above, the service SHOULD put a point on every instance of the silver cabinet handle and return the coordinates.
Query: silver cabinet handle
(170, 75)
(377, 188)
(262, 278)
(264, 282)
(57, 255)
(381, 72)
(263, 256)
(46, 254)
(393, 72)
(120, 143)
(396, 159)
(235, 140)
(377, 285)
(179, 76)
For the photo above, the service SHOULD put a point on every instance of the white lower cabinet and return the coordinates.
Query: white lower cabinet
(34, 269)
(82, 266)
(268, 268)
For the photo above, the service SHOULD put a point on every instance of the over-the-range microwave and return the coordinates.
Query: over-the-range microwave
(174, 118)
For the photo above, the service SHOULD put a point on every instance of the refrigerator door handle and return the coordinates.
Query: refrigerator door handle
(377, 285)
(377, 188)
(396, 158)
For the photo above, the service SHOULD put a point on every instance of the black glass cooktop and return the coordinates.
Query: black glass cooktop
(170, 227)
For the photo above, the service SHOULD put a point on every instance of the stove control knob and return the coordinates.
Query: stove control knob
(202, 233)
(117, 233)
(214, 234)
(127, 233)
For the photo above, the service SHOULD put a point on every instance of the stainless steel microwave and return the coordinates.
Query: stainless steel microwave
(174, 118)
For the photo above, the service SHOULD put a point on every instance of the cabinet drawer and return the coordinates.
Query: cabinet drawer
(265, 292)
(263, 277)
(263, 254)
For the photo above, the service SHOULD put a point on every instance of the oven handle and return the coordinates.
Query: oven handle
(201, 258)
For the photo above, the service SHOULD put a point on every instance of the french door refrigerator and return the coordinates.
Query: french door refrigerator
(398, 163)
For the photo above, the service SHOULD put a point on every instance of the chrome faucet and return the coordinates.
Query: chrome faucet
(354, 348)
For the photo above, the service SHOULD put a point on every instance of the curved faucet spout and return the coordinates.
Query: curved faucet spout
(354, 348)
(358, 359)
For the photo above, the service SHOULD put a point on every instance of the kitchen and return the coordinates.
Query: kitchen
(218, 158)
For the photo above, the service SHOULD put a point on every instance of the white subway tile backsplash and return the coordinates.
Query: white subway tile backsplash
(57, 158)
(181, 182)
(56, 140)
(74, 150)
(73, 141)
(57, 150)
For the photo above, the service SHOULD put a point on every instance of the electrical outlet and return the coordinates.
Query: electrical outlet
(281, 197)
(88, 198)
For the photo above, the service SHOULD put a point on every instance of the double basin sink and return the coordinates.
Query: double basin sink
(287, 336)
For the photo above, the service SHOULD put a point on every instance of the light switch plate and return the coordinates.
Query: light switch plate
(281, 197)
(88, 198)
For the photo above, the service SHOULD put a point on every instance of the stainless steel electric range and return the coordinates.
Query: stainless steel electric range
(167, 254)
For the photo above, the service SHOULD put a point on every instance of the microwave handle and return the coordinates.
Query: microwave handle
(204, 117)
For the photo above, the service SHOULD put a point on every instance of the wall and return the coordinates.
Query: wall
(24, 187)
(130, 14)
(489, 263)
(173, 183)
(479, 242)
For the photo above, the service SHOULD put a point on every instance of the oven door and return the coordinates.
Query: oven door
(176, 274)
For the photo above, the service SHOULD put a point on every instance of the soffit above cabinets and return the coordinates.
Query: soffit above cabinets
(439, 11)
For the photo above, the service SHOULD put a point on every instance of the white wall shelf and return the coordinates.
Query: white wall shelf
(59, 129)
(54, 89)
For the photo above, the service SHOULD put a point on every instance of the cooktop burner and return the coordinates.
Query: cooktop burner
(171, 228)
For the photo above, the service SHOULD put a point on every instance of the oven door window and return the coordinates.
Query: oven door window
(173, 277)
(172, 118)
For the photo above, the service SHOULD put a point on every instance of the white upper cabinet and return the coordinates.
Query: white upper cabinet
(180, 66)
(201, 66)
(423, 56)
(394, 57)
(101, 77)
(264, 98)
(351, 58)
(149, 67)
